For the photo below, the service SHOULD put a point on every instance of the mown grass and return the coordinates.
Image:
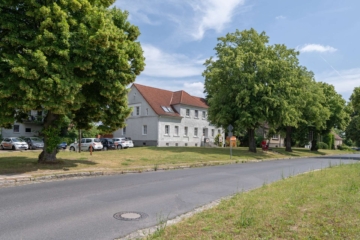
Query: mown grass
(318, 205)
(139, 159)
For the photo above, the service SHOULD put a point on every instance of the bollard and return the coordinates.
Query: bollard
(91, 147)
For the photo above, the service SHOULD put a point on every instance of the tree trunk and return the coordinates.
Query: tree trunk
(314, 145)
(252, 143)
(48, 157)
(288, 139)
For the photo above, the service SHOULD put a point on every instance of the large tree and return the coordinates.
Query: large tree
(70, 58)
(249, 81)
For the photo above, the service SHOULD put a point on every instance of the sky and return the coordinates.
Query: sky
(177, 36)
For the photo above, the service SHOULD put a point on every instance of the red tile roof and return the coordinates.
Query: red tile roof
(157, 98)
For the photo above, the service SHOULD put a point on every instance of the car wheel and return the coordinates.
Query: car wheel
(105, 148)
(13, 148)
(119, 147)
(1, 147)
(72, 149)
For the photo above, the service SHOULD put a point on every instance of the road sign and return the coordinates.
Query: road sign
(230, 128)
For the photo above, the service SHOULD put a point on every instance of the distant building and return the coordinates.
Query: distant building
(165, 118)
(30, 127)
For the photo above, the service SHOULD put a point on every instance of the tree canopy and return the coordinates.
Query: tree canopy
(70, 58)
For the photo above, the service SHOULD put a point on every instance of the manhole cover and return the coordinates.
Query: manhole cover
(130, 216)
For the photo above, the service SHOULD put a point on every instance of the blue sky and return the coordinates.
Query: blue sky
(178, 35)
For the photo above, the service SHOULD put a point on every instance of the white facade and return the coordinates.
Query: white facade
(29, 128)
(146, 128)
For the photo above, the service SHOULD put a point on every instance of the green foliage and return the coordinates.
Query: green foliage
(251, 82)
(322, 145)
(258, 140)
(238, 143)
(328, 139)
(217, 142)
(90, 133)
(343, 147)
(68, 58)
(348, 142)
(52, 137)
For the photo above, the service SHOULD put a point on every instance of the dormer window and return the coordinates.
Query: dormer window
(167, 109)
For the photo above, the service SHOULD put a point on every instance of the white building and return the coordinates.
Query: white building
(164, 118)
(30, 127)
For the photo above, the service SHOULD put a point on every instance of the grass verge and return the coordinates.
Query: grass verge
(138, 159)
(318, 205)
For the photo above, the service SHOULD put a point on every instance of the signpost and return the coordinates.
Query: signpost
(230, 128)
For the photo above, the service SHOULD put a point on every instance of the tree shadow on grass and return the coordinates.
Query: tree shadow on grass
(17, 165)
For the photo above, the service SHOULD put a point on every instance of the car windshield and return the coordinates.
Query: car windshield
(97, 140)
(111, 142)
(17, 140)
(36, 140)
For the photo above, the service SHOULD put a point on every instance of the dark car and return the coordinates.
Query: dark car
(62, 145)
(107, 143)
(34, 143)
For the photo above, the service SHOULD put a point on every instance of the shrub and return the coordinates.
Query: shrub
(238, 143)
(322, 145)
(344, 148)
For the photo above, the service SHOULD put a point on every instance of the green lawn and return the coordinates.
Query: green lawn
(318, 205)
(139, 159)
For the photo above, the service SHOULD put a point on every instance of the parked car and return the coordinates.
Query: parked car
(85, 144)
(14, 143)
(121, 143)
(34, 142)
(62, 145)
(107, 143)
(131, 144)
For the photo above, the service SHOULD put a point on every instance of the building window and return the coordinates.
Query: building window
(203, 114)
(186, 145)
(167, 129)
(28, 130)
(167, 144)
(145, 130)
(185, 131)
(176, 130)
(188, 112)
(147, 112)
(275, 137)
(212, 132)
(124, 131)
(16, 128)
(195, 132)
(196, 114)
(137, 111)
(176, 144)
(195, 144)
(219, 131)
(204, 131)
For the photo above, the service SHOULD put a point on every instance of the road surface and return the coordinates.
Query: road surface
(84, 208)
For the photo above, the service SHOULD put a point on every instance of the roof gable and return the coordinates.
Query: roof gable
(160, 98)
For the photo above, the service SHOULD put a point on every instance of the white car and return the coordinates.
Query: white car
(14, 143)
(121, 143)
(130, 142)
(85, 144)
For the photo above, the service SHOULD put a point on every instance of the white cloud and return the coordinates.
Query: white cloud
(162, 64)
(316, 48)
(212, 14)
(192, 17)
(344, 81)
(280, 17)
(194, 88)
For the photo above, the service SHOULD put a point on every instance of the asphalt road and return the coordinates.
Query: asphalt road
(84, 208)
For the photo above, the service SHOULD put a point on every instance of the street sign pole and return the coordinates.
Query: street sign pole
(230, 128)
